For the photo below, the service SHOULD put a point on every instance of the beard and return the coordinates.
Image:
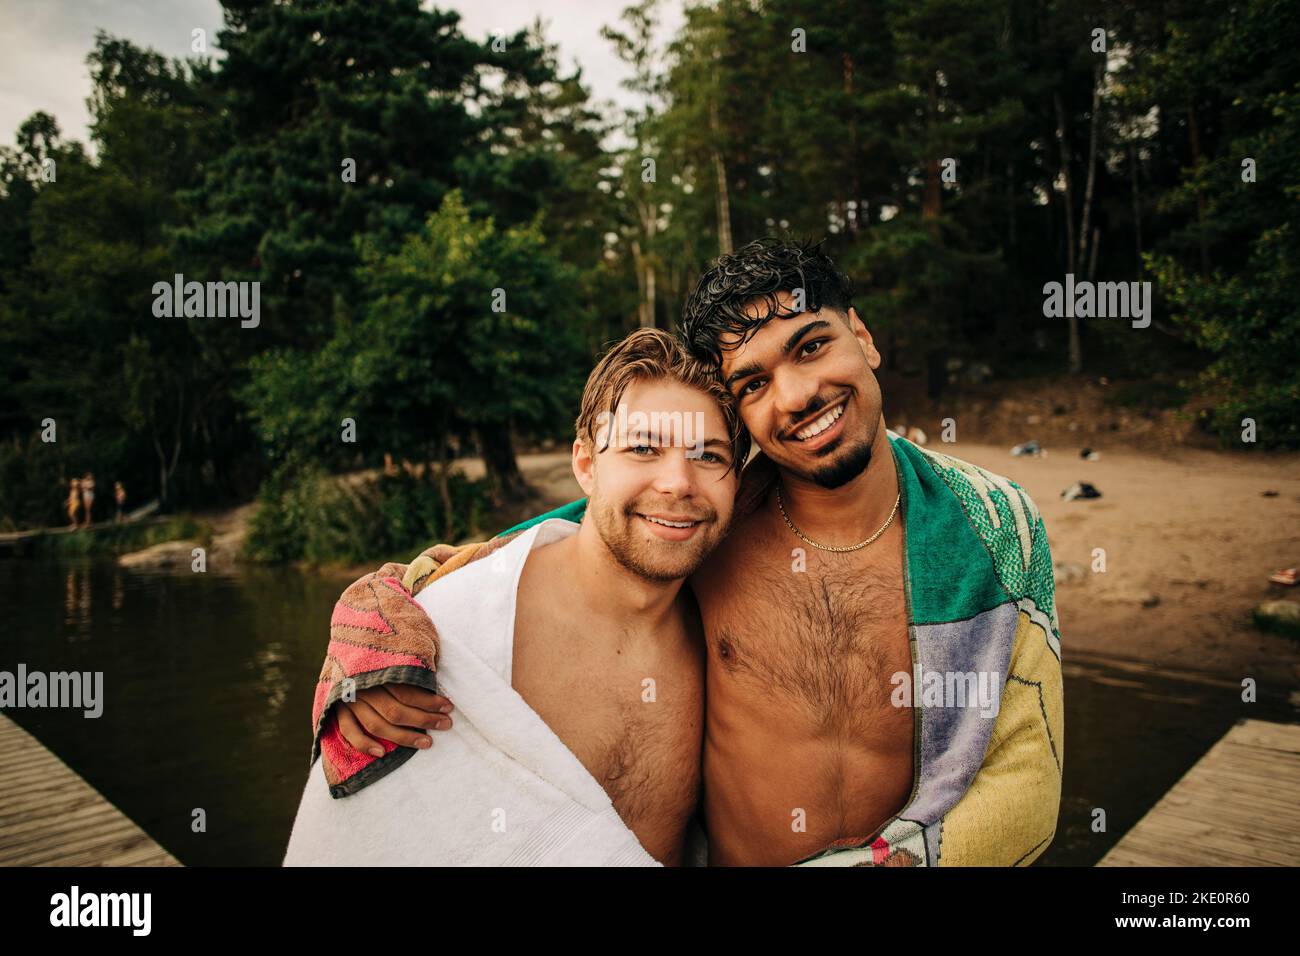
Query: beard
(850, 463)
(653, 559)
(848, 456)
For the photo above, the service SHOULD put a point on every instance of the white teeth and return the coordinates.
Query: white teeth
(669, 524)
(819, 426)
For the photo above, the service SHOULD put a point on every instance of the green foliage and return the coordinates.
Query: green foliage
(1251, 323)
(127, 390)
(312, 516)
(121, 538)
(480, 326)
(430, 357)
(1249, 318)
(304, 87)
(481, 169)
(233, 170)
(31, 484)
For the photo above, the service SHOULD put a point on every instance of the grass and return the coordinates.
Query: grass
(121, 538)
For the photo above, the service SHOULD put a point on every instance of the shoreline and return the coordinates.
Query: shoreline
(1188, 539)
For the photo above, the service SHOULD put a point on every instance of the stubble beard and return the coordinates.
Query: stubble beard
(618, 530)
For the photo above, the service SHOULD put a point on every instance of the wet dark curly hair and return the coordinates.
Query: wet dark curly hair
(753, 276)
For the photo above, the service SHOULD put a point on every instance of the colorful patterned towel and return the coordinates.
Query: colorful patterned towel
(981, 599)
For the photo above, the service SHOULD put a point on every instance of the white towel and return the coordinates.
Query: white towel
(498, 788)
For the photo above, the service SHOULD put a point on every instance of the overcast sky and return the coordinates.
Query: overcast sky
(43, 44)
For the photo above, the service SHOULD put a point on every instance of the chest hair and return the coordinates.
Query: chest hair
(828, 639)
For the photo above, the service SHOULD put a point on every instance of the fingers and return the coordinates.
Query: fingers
(391, 708)
(418, 697)
(377, 725)
(395, 712)
(351, 731)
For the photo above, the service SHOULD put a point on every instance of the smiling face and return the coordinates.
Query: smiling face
(807, 392)
(660, 493)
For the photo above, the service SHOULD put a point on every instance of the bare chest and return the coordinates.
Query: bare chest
(635, 721)
(824, 632)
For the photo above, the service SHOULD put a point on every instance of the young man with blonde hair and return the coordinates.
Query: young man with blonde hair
(572, 651)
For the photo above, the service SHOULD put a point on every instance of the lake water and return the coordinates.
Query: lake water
(208, 684)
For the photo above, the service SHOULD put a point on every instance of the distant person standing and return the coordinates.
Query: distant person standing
(119, 499)
(74, 501)
(88, 497)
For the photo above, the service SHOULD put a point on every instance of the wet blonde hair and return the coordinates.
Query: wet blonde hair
(651, 355)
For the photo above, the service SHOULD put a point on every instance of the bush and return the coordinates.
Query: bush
(121, 538)
(312, 516)
(33, 493)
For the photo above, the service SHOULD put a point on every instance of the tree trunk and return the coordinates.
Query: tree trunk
(440, 469)
(846, 62)
(1076, 350)
(1194, 136)
(165, 470)
(648, 214)
(498, 449)
(168, 468)
(652, 318)
(1011, 207)
(162, 474)
(723, 195)
(645, 318)
(936, 373)
(1137, 206)
(1089, 189)
(932, 203)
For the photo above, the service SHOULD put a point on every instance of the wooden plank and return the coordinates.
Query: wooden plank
(1261, 733)
(149, 854)
(1239, 805)
(15, 748)
(1212, 842)
(1162, 853)
(65, 801)
(60, 845)
(64, 845)
(102, 851)
(121, 854)
(49, 786)
(49, 816)
(53, 829)
(1212, 785)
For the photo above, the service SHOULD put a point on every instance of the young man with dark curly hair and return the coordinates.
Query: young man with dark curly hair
(883, 677)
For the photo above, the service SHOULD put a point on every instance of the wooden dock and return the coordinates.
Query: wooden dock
(1239, 805)
(49, 816)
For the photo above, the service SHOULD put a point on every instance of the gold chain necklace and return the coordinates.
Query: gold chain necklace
(826, 547)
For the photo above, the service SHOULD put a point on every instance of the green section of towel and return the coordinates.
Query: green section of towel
(573, 511)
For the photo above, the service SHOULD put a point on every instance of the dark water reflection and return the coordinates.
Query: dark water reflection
(207, 693)
(208, 684)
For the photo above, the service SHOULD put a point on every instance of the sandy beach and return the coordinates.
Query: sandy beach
(1190, 541)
